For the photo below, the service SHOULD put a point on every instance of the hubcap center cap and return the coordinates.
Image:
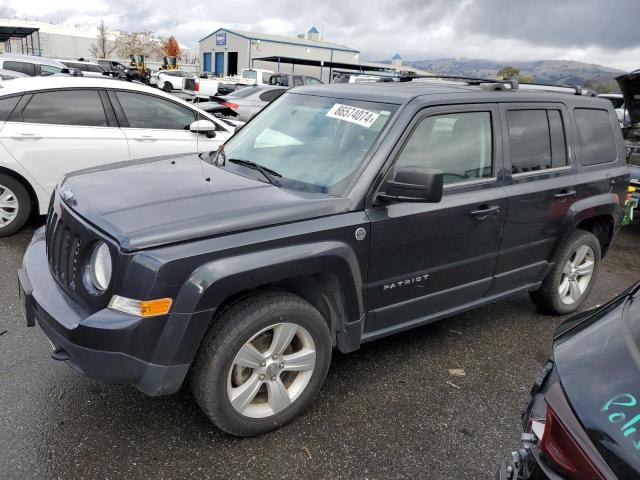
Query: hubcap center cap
(273, 369)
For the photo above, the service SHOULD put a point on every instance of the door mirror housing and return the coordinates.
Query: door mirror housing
(203, 126)
(414, 184)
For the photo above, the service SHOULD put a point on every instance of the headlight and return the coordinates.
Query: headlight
(100, 267)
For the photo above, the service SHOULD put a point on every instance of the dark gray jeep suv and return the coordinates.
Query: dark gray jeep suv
(339, 215)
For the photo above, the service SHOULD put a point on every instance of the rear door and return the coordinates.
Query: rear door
(52, 133)
(541, 186)
(157, 126)
(431, 258)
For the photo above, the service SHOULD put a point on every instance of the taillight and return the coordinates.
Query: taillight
(563, 451)
(197, 86)
(230, 105)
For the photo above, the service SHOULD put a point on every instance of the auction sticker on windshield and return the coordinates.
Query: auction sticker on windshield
(359, 116)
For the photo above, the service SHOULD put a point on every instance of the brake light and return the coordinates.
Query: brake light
(197, 87)
(230, 105)
(561, 449)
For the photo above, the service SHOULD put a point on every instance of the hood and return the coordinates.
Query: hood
(153, 202)
(630, 88)
(597, 356)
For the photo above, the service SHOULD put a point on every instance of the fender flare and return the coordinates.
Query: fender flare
(214, 282)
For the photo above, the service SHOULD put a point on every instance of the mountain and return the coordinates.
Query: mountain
(562, 72)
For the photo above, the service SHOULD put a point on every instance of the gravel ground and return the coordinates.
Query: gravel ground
(390, 410)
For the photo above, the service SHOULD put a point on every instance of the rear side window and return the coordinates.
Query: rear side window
(6, 106)
(596, 142)
(271, 95)
(457, 144)
(77, 107)
(22, 67)
(536, 140)
(46, 70)
(146, 111)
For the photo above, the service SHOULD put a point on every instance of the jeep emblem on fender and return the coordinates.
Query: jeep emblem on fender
(361, 234)
(68, 196)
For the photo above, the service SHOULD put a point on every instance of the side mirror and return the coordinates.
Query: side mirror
(414, 184)
(203, 126)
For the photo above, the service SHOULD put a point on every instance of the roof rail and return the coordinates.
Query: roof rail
(508, 84)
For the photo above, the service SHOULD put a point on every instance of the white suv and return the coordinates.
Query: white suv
(169, 80)
(56, 125)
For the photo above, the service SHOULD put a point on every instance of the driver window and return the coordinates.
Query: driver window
(457, 144)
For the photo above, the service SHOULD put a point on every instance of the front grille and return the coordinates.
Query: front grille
(63, 248)
(190, 84)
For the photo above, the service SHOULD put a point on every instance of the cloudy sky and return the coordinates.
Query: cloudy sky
(592, 31)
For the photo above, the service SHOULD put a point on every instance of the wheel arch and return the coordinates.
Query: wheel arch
(325, 274)
(33, 196)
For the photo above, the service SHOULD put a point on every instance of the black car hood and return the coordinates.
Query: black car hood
(630, 88)
(153, 202)
(598, 360)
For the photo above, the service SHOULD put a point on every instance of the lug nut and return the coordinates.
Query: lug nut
(281, 365)
(263, 364)
(275, 357)
(273, 379)
(261, 377)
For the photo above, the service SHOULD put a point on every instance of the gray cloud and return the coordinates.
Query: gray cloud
(586, 30)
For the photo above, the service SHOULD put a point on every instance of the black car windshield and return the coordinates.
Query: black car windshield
(315, 143)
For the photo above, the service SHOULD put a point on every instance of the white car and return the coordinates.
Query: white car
(169, 80)
(55, 125)
(88, 69)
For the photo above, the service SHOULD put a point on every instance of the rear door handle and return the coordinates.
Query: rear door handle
(565, 194)
(485, 210)
(26, 136)
(147, 138)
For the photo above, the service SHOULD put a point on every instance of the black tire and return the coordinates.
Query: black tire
(167, 87)
(547, 298)
(230, 331)
(24, 204)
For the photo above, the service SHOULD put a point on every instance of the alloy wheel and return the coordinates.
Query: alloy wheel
(577, 274)
(271, 370)
(8, 206)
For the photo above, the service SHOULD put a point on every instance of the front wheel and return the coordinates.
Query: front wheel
(262, 363)
(567, 285)
(167, 87)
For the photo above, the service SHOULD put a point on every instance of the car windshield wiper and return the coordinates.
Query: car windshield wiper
(266, 172)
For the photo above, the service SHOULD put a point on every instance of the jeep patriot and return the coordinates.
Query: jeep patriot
(339, 215)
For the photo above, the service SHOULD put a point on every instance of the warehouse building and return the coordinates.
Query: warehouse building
(227, 51)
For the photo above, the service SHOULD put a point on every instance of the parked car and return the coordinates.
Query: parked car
(618, 104)
(246, 102)
(30, 65)
(291, 80)
(119, 69)
(630, 88)
(581, 418)
(10, 75)
(169, 80)
(50, 127)
(88, 69)
(339, 215)
(208, 85)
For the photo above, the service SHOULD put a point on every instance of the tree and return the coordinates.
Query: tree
(170, 47)
(104, 47)
(137, 43)
(526, 79)
(508, 72)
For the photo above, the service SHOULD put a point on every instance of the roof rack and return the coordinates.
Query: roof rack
(496, 84)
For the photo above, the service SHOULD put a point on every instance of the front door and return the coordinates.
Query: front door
(52, 133)
(429, 259)
(156, 126)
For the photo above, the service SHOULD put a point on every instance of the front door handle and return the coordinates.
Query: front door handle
(564, 194)
(146, 138)
(26, 136)
(485, 210)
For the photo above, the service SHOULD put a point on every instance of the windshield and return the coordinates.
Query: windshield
(315, 143)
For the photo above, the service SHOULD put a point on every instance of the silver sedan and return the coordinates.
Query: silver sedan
(248, 101)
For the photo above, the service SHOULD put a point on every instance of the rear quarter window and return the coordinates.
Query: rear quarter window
(596, 141)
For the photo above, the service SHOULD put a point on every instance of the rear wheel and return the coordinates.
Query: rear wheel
(572, 277)
(262, 363)
(167, 87)
(15, 205)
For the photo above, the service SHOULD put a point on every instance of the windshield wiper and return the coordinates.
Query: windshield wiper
(266, 172)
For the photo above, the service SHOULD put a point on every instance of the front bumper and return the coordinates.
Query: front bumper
(102, 345)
